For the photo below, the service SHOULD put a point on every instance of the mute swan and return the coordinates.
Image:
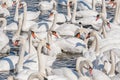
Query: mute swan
(94, 73)
(29, 14)
(60, 18)
(117, 16)
(46, 5)
(4, 11)
(41, 66)
(67, 29)
(8, 3)
(27, 24)
(11, 27)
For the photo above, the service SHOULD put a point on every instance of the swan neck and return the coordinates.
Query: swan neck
(104, 8)
(74, 12)
(116, 16)
(103, 30)
(19, 27)
(112, 71)
(4, 23)
(68, 10)
(16, 12)
(93, 5)
(25, 16)
(41, 59)
(21, 57)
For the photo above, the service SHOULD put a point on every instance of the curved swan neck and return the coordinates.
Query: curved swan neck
(93, 5)
(19, 27)
(95, 42)
(4, 22)
(74, 12)
(25, 15)
(68, 9)
(117, 12)
(16, 12)
(104, 8)
(112, 71)
(41, 59)
(21, 58)
(103, 30)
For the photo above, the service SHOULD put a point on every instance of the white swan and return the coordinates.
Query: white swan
(46, 5)
(11, 27)
(29, 14)
(4, 11)
(27, 24)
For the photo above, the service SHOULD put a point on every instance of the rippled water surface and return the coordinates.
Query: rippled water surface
(65, 60)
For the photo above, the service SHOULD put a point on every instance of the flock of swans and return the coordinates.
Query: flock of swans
(81, 30)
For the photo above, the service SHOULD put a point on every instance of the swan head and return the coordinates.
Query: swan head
(18, 40)
(112, 2)
(55, 34)
(22, 4)
(70, 4)
(53, 12)
(4, 5)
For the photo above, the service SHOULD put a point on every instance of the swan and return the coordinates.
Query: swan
(117, 16)
(29, 14)
(67, 29)
(71, 44)
(105, 44)
(94, 73)
(4, 11)
(41, 67)
(46, 5)
(11, 27)
(26, 24)
(60, 18)
(5, 40)
(8, 3)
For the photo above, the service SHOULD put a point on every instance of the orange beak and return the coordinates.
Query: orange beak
(90, 70)
(33, 34)
(108, 24)
(97, 17)
(4, 5)
(16, 43)
(88, 36)
(51, 14)
(70, 4)
(48, 46)
(20, 6)
(55, 34)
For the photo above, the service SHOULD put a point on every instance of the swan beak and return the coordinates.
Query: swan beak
(16, 43)
(33, 34)
(55, 34)
(88, 36)
(70, 4)
(4, 5)
(97, 17)
(48, 46)
(90, 70)
(108, 24)
(51, 14)
(20, 6)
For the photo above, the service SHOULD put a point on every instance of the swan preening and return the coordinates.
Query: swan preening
(73, 27)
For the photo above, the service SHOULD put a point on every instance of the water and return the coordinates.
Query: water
(64, 60)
